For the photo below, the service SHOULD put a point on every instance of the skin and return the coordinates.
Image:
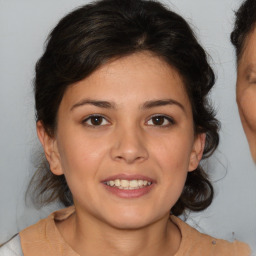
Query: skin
(129, 141)
(246, 91)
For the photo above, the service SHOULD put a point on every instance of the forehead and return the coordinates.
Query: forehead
(247, 61)
(140, 75)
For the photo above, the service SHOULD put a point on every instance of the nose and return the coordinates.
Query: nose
(129, 146)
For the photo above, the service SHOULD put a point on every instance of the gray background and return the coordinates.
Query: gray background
(24, 25)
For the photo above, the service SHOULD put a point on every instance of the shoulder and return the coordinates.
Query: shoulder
(43, 238)
(195, 243)
(11, 247)
(46, 225)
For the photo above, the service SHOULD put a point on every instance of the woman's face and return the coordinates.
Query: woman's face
(246, 90)
(125, 141)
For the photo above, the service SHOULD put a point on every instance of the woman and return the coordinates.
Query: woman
(124, 119)
(244, 38)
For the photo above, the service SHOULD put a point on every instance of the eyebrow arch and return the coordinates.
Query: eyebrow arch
(159, 103)
(97, 103)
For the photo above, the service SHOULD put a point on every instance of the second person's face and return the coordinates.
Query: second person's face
(246, 90)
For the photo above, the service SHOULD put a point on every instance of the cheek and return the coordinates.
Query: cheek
(174, 168)
(80, 155)
(173, 157)
(174, 151)
(247, 106)
(81, 162)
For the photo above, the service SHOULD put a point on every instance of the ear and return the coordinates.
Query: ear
(50, 149)
(197, 151)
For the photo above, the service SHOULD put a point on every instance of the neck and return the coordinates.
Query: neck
(92, 237)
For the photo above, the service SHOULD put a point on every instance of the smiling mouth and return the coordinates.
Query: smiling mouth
(128, 184)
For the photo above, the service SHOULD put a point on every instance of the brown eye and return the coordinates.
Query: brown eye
(160, 121)
(95, 121)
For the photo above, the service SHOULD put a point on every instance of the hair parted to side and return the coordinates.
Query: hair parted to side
(99, 32)
(245, 22)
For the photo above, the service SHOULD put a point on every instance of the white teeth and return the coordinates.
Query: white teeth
(141, 183)
(111, 183)
(135, 183)
(117, 183)
(126, 184)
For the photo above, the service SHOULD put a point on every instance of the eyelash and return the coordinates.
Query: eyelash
(167, 119)
(103, 121)
(90, 118)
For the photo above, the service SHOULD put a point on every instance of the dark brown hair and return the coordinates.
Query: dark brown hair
(244, 24)
(94, 34)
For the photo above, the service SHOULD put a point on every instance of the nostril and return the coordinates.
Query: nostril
(130, 158)
(128, 147)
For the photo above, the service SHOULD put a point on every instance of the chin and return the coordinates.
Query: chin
(129, 224)
(132, 219)
(251, 138)
(253, 153)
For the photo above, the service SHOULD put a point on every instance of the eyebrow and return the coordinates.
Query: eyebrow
(97, 103)
(110, 105)
(159, 103)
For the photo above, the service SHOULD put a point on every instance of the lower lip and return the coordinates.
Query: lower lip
(126, 193)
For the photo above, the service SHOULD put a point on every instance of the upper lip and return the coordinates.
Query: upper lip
(123, 176)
